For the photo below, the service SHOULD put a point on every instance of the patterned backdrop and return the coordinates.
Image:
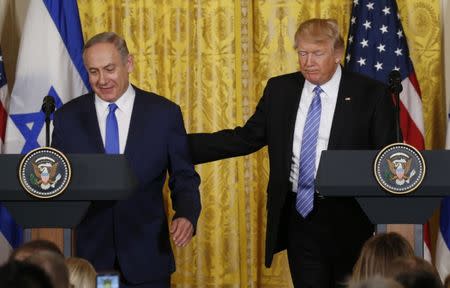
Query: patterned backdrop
(213, 58)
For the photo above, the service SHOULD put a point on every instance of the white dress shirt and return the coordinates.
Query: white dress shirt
(123, 115)
(328, 99)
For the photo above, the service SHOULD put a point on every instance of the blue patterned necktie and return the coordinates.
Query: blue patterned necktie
(112, 131)
(305, 191)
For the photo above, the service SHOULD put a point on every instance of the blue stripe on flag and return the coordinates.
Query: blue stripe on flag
(445, 220)
(67, 20)
(10, 230)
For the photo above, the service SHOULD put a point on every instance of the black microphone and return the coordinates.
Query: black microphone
(395, 87)
(48, 107)
(395, 82)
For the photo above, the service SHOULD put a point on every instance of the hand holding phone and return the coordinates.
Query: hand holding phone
(108, 280)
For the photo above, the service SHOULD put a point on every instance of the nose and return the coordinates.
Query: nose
(308, 59)
(101, 78)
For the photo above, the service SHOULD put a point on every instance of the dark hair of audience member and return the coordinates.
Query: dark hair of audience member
(447, 281)
(414, 272)
(31, 247)
(377, 254)
(19, 274)
(54, 265)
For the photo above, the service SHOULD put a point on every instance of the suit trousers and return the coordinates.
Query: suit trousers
(154, 284)
(160, 283)
(317, 258)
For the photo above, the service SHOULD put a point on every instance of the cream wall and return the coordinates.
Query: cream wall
(446, 29)
(12, 18)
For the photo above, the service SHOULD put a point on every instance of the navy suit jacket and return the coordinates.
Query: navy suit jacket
(364, 119)
(134, 232)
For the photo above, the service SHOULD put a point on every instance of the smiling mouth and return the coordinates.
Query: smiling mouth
(105, 88)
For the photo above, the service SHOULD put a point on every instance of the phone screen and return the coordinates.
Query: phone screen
(109, 280)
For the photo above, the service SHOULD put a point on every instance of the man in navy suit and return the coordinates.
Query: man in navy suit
(131, 235)
(299, 115)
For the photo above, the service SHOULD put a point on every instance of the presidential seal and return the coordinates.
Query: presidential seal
(44, 172)
(399, 168)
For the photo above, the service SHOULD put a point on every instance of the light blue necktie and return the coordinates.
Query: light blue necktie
(112, 131)
(305, 191)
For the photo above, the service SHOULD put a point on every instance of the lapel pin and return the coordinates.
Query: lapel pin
(347, 98)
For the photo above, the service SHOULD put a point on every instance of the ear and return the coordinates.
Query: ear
(338, 54)
(130, 63)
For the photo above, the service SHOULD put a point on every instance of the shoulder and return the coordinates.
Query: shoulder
(285, 84)
(356, 79)
(77, 104)
(287, 78)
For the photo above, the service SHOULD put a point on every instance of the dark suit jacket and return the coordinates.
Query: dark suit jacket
(134, 231)
(366, 121)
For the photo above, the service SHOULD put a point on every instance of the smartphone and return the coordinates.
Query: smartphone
(108, 280)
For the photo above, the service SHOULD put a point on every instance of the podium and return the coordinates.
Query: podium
(95, 177)
(343, 173)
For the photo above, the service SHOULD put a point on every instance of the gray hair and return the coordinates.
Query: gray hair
(109, 37)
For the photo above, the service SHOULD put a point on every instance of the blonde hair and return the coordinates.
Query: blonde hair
(377, 282)
(378, 253)
(81, 273)
(319, 31)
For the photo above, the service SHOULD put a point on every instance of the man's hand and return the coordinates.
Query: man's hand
(181, 231)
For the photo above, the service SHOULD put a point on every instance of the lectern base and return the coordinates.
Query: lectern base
(55, 214)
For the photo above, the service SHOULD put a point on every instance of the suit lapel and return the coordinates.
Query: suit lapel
(90, 124)
(343, 106)
(135, 123)
(292, 103)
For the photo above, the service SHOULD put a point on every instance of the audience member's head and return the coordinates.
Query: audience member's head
(31, 247)
(377, 282)
(414, 272)
(447, 281)
(378, 253)
(19, 274)
(81, 273)
(54, 265)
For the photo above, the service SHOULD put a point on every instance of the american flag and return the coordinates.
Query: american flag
(377, 45)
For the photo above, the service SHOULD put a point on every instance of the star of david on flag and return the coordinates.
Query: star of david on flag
(49, 63)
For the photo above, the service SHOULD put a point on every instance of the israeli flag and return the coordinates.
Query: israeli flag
(49, 63)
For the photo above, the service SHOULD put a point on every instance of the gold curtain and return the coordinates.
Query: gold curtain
(213, 58)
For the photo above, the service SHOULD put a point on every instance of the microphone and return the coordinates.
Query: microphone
(48, 106)
(395, 82)
(395, 87)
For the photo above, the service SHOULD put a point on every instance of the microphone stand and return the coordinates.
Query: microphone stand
(48, 107)
(395, 87)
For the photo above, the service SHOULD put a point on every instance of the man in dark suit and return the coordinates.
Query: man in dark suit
(130, 236)
(300, 115)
